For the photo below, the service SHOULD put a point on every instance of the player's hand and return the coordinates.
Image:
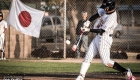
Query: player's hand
(86, 24)
(74, 47)
(85, 29)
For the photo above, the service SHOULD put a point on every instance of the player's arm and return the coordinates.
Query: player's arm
(99, 13)
(100, 31)
(92, 18)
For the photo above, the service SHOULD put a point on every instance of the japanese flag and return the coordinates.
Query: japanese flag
(25, 19)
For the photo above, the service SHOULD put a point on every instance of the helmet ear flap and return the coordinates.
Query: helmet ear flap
(111, 7)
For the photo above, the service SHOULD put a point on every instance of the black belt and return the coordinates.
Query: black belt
(110, 35)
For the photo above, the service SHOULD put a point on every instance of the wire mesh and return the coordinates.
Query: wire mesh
(51, 42)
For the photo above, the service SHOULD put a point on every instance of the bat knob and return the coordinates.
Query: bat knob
(74, 47)
(83, 30)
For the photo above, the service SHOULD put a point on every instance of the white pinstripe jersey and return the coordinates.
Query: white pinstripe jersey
(109, 23)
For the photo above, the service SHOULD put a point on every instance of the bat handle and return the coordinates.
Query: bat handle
(83, 31)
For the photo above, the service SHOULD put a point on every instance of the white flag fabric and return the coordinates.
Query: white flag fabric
(25, 19)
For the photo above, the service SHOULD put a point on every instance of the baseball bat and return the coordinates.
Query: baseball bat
(74, 47)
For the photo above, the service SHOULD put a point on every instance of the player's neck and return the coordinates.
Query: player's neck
(109, 12)
(1, 20)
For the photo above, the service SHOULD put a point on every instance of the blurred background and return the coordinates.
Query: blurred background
(59, 25)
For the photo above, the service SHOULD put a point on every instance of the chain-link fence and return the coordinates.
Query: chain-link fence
(59, 25)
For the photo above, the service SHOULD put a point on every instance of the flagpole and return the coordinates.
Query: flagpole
(64, 54)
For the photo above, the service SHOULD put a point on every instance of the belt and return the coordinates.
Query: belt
(110, 35)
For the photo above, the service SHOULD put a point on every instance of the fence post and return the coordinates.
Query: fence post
(64, 52)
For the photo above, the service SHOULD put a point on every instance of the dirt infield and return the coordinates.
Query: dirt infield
(74, 60)
(90, 76)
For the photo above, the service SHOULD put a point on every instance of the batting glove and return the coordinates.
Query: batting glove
(86, 24)
(85, 29)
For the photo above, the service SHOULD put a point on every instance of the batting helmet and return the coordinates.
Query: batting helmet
(110, 4)
(1, 14)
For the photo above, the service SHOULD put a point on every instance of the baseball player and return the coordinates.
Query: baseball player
(101, 44)
(3, 29)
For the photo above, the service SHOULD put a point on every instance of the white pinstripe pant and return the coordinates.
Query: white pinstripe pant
(101, 47)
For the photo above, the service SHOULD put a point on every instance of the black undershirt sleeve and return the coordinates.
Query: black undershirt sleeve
(119, 68)
(92, 18)
(100, 31)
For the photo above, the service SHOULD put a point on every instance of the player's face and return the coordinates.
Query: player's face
(106, 10)
(0, 17)
(84, 16)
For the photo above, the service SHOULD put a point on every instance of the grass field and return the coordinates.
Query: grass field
(32, 67)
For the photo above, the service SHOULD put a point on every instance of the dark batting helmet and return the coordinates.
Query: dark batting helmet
(110, 4)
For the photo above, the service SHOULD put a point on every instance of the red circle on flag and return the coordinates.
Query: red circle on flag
(25, 18)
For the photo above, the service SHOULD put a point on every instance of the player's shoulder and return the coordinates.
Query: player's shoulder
(101, 11)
